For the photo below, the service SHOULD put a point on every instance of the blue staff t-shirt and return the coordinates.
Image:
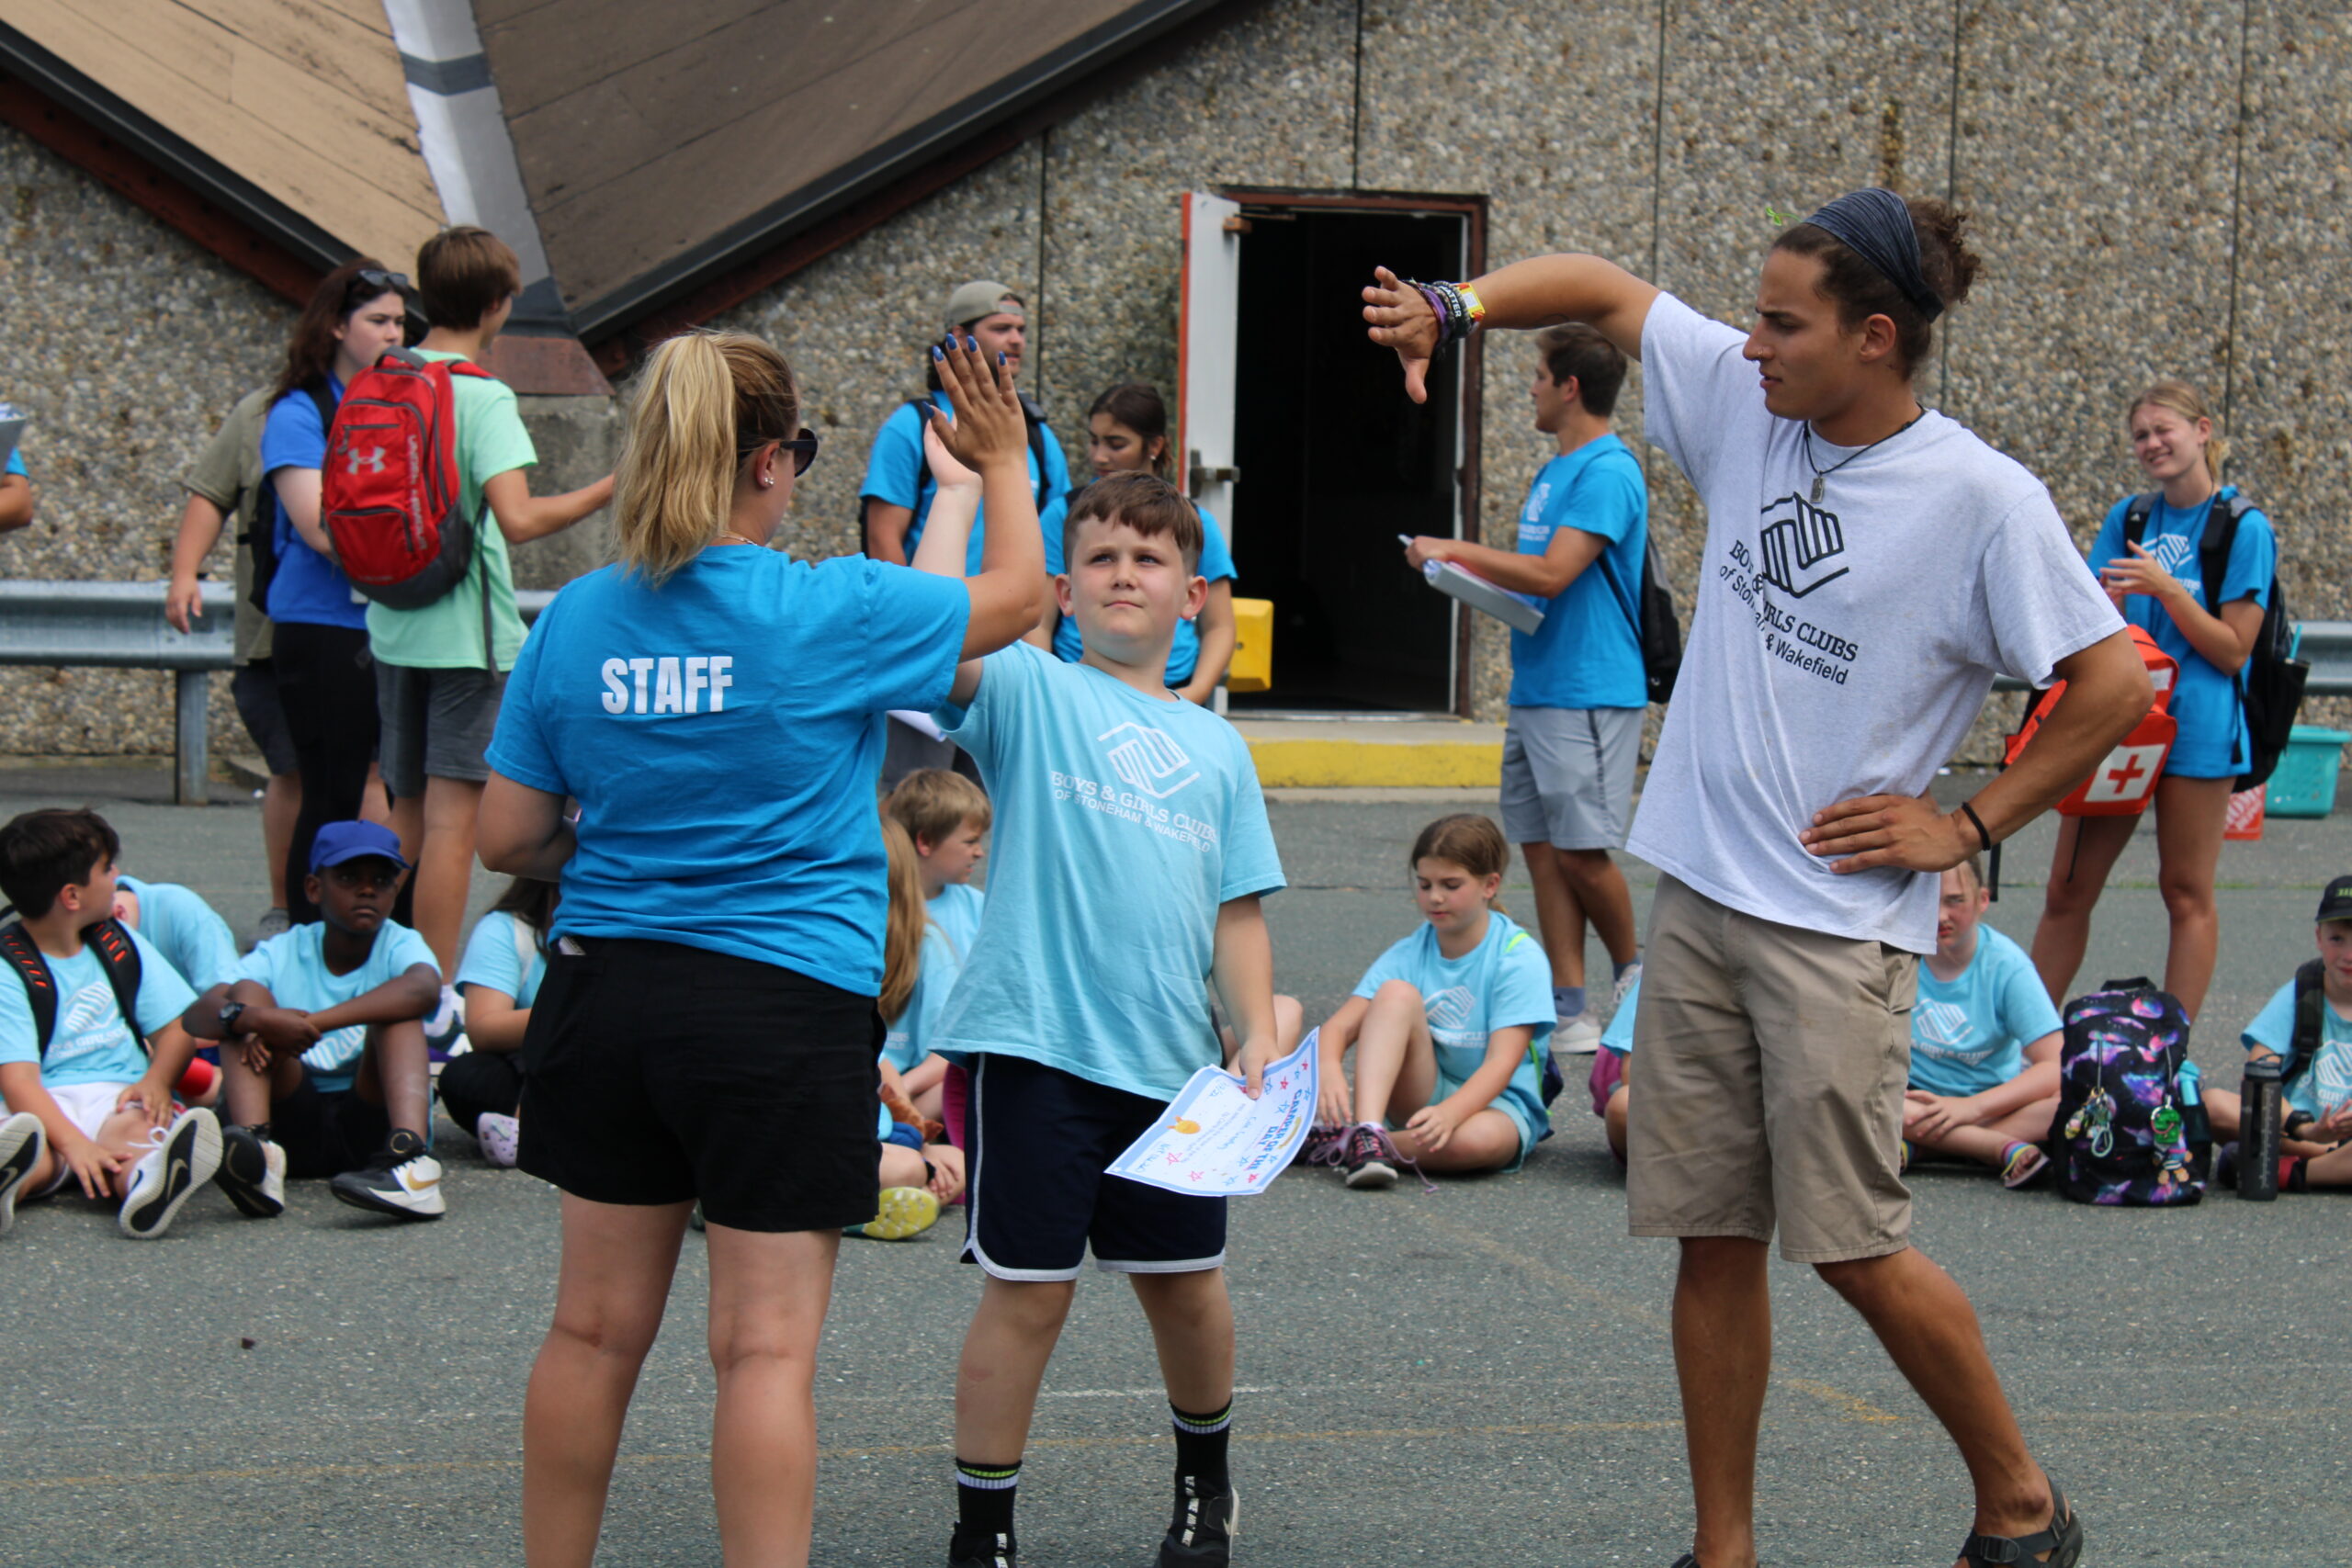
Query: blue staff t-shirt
(2328, 1082)
(185, 928)
(1588, 652)
(1122, 823)
(90, 1043)
(309, 589)
(2212, 740)
(1505, 982)
(723, 734)
(896, 473)
(494, 958)
(1185, 653)
(1970, 1034)
(17, 461)
(293, 966)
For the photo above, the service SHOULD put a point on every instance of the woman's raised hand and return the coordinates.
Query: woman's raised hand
(1401, 319)
(988, 427)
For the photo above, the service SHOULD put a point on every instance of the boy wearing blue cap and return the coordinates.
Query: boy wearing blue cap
(325, 1053)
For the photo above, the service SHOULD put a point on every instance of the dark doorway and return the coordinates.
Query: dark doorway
(1333, 462)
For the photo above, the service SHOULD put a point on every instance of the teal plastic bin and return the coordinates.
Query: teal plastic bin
(2304, 782)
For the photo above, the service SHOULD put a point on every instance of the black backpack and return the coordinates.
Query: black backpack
(2270, 682)
(2123, 1133)
(1032, 413)
(260, 536)
(1653, 620)
(117, 954)
(2304, 1044)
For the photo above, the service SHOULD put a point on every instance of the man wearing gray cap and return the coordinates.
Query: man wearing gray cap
(895, 501)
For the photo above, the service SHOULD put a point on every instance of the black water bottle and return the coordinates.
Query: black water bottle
(2259, 1119)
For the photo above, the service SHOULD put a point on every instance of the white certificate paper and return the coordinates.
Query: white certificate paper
(1216, 1140)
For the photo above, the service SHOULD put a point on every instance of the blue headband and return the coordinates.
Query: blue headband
(1875, 225)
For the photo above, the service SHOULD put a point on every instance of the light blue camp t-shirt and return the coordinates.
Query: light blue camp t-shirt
(910, 1037)
(1121, 824)
(185, 928)
(894, 473)
(90, 1043)
(1588, 652)
(293, 966)
(1970, 1034)
(2212, 740)
(956, 912)
(16, 462)
(309, 589)
(1503, 983)
(723, 736)
(2328, 1083)
(1619, 1035)
(504, 956)
(1185, 653)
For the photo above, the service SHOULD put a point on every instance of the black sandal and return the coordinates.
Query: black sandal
(1687, 1560)
(2063, 1540)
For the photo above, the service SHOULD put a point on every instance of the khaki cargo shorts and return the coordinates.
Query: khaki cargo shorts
(1768, 1073)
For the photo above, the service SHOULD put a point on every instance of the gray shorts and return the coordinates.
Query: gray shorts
(1568, 776)
(255, 687)
(438, 724)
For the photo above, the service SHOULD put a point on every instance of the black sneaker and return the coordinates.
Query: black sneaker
(986, 1552)
(253, 1173)
(1200, 1535)
(21, 1143)
(1369, 1161)
(402, 1180)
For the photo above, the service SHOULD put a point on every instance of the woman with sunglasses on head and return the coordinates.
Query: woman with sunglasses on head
(324, 683)
(1126, 433)
(712, 706)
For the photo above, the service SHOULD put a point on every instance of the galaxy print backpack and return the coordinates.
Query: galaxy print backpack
(2130, 1126)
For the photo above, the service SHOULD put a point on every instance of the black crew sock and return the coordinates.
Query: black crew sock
(984, 1495)
(1200, 1448)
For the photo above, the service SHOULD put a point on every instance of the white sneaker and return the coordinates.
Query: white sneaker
(21, 1143)
(1625, 981)
(403, 1181)
(183, 1159)
(1578, 1036)
(501, 1138)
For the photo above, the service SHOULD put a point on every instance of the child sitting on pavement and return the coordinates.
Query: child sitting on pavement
(1447, 1027)
(1983, 1043)
(2315, 1082)
(946, 818)
(1611, 1093)
(194, 938)
(919, 1170)
(88, 1055)
(326, 1056)
(499, 978)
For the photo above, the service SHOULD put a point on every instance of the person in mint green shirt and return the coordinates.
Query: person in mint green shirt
(438, 688)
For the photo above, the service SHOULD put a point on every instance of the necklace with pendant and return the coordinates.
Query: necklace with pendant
(1821, 475)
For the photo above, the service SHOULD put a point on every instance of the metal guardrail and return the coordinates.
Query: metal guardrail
(120, 626)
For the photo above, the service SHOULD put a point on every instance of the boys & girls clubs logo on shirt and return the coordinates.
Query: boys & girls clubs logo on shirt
(1940, 1029)
(1797, 553)
(1153, 767)
(1449, 1013)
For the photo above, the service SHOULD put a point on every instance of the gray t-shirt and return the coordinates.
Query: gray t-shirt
(1837, 649)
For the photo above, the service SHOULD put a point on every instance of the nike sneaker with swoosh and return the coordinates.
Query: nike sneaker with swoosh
(184, 1159)
(253, 1173)
(21, 1143)
(402, 1180)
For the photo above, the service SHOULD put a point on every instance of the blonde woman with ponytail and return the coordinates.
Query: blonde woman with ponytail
(711, 704)
(2158, 582)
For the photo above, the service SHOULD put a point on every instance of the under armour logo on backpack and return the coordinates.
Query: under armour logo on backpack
(373, 459)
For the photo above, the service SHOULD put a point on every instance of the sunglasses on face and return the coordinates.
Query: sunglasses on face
(803, 448)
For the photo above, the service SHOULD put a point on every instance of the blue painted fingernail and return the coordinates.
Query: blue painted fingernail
(973, 344)
(999, 357)
(937, 352)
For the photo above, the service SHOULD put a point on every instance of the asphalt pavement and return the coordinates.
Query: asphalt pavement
(1480, 1375)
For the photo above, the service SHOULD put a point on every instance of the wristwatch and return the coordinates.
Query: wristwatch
(230, 1014)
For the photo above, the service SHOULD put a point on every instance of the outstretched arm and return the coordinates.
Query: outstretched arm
(1540, 292)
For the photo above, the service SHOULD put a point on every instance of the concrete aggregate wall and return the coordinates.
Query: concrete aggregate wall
(2160, 189)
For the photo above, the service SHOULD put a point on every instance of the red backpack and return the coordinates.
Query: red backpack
(388, 496)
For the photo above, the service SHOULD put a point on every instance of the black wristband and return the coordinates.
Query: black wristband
(230, 1014)
(1984, 839)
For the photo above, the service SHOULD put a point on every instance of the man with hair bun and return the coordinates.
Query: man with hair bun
(1868, 567)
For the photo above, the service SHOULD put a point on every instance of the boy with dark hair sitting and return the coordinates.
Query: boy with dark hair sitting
(2307, 1026)
(325, 1052)
(90, 1043)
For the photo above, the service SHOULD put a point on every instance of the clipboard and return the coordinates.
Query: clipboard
(1521, 611)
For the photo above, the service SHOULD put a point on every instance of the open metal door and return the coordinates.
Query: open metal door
(1207, 330)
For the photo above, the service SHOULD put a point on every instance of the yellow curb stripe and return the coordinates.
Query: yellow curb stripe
(1368, 764)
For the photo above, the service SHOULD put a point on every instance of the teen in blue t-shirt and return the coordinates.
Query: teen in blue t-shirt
(326, 683)
(896, 476)
(498, 977)
(1447, 1027)
(2159, 584)
(1984, 1042)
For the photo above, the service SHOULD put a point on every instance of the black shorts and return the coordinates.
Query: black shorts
(654, 1073)
(1037, 1142)
(255, 687)
(326, 1131)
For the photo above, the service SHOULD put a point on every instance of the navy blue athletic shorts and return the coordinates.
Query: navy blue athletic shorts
(1036, 1142)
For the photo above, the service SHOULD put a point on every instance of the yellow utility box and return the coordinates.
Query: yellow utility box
(1252, 669)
